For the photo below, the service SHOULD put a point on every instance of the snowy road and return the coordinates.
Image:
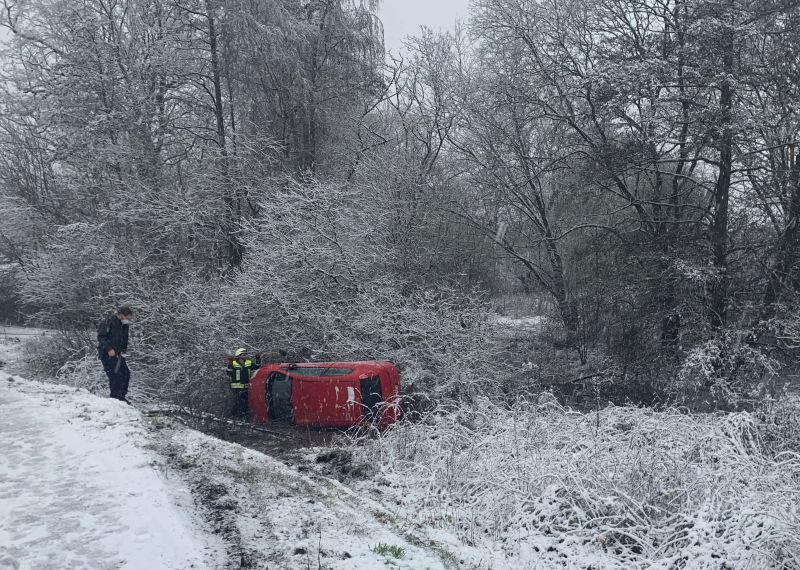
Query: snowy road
(78, 491)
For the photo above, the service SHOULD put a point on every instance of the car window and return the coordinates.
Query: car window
(320, 371)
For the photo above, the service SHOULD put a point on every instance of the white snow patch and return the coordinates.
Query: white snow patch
(18, 333)
(78, 490)
(534, 322)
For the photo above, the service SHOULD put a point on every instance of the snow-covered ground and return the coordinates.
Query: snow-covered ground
(17, 334)
(77, 490)
(89, 482)
(530, 323)
(539, 486)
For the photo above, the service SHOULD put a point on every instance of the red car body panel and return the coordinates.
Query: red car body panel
(326, 394)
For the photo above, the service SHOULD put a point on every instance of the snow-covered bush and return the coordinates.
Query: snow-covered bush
(779, 425)
(66, 358)
(181, 334)
(726, 373)
(618, 488)
(318, 279)
(86, 373)
(73, 274)
(320, 274)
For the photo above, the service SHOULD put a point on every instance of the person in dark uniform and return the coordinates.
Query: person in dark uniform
(240, 369)
(112, 342)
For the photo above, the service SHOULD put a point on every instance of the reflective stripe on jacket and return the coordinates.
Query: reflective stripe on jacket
(240, 373)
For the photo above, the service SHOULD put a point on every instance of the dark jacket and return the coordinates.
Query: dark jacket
(111, 333)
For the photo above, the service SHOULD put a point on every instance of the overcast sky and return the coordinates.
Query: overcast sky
(404, 17)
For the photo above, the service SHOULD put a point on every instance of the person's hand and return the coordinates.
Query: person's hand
(112, 353)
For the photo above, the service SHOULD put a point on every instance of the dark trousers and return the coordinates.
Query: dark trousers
(118, 375)
(239, 407)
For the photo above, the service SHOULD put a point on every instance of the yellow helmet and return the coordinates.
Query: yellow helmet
(239, 352)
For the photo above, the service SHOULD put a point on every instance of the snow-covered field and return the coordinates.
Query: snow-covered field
(539, 486)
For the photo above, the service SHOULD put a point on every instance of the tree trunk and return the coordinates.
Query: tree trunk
(558, 288)
(231, 223)
(718, 306)
(786, 256)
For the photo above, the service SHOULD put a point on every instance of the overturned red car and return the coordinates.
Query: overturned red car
(326, 394)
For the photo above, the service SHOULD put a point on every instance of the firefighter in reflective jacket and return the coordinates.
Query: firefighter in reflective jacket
(240, 369)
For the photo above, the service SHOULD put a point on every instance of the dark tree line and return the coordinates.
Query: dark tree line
(263, 169)
(637, 162)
